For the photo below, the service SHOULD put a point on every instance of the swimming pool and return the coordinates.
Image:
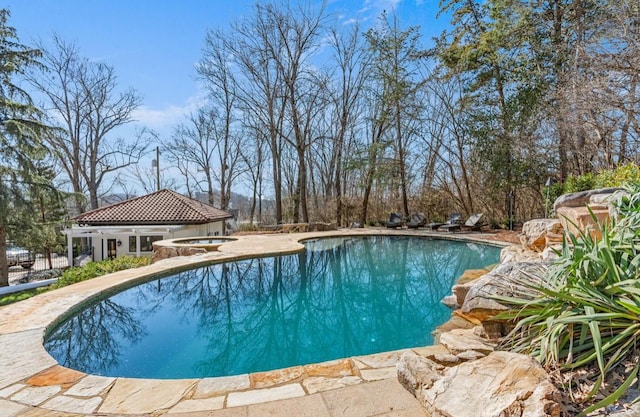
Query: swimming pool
(339, 298)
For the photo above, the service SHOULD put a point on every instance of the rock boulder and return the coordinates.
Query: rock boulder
(163, 252)
(516, 253)
(577, 220)
(536, 234)
(480, 302)
(583, 198)
(189, 251)
(501, 384)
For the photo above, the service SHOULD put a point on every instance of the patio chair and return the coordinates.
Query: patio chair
(417, 220)
(454, 219)
(472, 223)
(395, 221)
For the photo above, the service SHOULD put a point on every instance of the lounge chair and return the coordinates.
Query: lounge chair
(417, 220)
(454, 219)
(472, 223)
(395, 221)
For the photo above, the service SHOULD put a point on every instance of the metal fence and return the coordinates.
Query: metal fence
(20, 275)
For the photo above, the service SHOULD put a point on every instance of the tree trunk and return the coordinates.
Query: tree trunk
(4, 268)
(402, 163)
(338, 184)
(277, 181)
(302, 184)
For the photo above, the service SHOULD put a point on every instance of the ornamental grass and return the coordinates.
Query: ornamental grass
(584, 311)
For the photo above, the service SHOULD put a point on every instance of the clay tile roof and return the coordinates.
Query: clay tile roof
(160, 207)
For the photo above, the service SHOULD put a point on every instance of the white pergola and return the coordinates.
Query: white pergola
(122, 232)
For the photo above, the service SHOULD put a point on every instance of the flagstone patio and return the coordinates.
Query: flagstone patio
(33, 384)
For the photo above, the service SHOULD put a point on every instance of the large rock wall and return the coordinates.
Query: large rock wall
(463, 375)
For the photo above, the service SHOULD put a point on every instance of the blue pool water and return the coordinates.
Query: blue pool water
(339, 298)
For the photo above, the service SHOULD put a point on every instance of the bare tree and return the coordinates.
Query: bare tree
(82, 98)
(370, 154)
(194, 142)
(352, 69)
(299, 35)
(270, 50)
(259, 89)
(221, 85)
(145, 178)
(253, 157)
(201, 143)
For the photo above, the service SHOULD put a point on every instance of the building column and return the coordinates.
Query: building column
(70, 248)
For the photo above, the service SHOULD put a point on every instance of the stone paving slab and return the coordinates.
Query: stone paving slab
(210, 387)
(56, 375)
(380, 360)
(73, 405)
(277, 377)
(90, 386)
(11, 409)
(41, 412)
(20, 359)
(236, 399)
(35, 395)
(144, 396)
(7, 392)
(309, 406)
(316, 384)
(200, 405)
(331, 369)
(33, 384)
(372, 399)
(227, 412)
(378, 374)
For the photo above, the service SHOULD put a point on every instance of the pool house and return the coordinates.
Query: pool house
(130, 227)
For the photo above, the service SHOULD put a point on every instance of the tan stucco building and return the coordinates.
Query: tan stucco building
(130, 227)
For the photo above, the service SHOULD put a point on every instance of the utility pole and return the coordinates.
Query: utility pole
(156, 163)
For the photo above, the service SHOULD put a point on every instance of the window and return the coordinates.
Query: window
(146, 242)
(132, 244)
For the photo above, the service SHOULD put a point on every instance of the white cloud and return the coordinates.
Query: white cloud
(167, 117)
(158, 118)
(369, 10)
(378, 6)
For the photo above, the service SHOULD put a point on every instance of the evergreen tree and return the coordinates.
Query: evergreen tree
(43, 223)
(501, 85)
(20, 145)
(396, 57)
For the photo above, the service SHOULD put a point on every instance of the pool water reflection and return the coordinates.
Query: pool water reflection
(339, 298)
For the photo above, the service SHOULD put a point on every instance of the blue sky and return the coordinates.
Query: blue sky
(154, 44)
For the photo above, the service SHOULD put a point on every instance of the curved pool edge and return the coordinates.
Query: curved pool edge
(29, 377)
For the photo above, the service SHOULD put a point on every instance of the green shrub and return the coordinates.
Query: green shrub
(579, 183)
(622, 175)
(586, 310)
(618, 177)
(96, 269)
(78, 274)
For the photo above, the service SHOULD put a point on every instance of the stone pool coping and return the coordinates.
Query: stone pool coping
(32, 381)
